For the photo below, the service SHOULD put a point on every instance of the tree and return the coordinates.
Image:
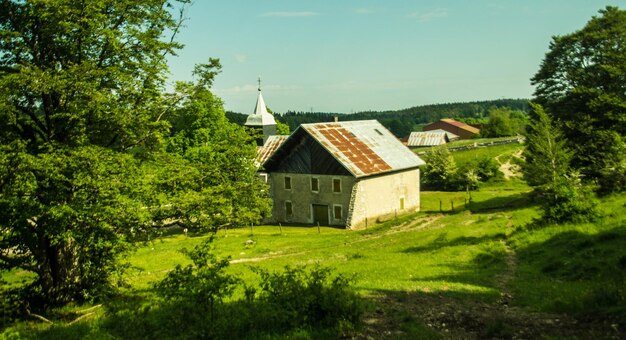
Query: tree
(93, 154)
(581, 83)
(441, 170)
(547, 167)
(547, 157)
(503, 122)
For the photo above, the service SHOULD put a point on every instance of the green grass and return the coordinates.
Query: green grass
(459, 254)
(503, 152)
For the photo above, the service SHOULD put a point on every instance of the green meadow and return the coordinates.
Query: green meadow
(460, 267)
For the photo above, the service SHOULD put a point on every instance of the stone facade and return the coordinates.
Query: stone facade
(382, 197)
(303, 197)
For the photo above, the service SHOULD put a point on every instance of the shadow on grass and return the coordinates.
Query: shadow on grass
(503, 203)
(441, 242)
(592, 267)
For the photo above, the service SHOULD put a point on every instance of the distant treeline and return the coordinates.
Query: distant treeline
(402, 122)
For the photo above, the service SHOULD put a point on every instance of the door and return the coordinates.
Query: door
(320, 214)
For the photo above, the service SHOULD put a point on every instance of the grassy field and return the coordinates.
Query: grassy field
(480, 270)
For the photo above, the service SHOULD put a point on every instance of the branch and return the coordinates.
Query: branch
(39, 317)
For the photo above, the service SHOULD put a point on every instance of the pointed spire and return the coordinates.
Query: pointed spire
(260, 116)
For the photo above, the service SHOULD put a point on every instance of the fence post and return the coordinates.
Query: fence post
(440, 206)
(280, 225)
(318, 227)
(452, 203)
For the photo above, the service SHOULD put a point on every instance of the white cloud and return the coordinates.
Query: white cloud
(241, 58)
(436, 13)
(290, 14)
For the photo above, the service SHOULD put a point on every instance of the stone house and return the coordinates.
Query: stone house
(348, 174)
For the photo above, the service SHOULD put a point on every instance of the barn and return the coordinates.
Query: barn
(347, 174)
(430, 138)
(462, 130)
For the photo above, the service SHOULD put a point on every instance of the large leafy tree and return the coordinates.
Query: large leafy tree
(582, 84)
(84, 130)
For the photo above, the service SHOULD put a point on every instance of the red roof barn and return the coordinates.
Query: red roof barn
(462, 130)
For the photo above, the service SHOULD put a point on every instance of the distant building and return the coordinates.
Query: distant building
(430, 138)
(261, 121)
(462, 130)
(348, 174)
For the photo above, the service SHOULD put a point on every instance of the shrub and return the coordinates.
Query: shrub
(567, 200)
(315, 298)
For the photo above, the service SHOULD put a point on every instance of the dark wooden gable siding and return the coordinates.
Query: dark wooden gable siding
(304, 155)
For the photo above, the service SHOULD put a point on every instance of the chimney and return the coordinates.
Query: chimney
(336, 119)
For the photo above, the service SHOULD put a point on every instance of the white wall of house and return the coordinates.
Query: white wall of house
(301, 197)
(383, 197)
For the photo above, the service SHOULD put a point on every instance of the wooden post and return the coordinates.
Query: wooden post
(318, 228)
(251, 232)
(440, 206)
(280, 225)
(452, 204)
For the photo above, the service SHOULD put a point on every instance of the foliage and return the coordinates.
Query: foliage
(546, 155)
(300, 298)
(296, 299)
(546, 166)
(581, 84)
(93, 155)
(440, 170)
(568, 200)
(202, 283)
(402, 122)
(282, 128)
(503, 122)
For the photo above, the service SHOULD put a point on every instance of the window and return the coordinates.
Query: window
(315, 184)
(401, 203)
(287, 183)
(288, 208)
(338, 212)
(336, 185)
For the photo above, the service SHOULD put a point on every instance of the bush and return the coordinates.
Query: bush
(315, 299)
(567, 200)
(198, 303)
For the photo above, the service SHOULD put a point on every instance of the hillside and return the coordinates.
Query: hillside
(479, 270)
(400, 122)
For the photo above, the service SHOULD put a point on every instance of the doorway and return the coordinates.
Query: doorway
(320, 214)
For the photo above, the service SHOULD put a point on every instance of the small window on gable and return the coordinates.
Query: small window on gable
(287, 183)
(336, 185)
(338, 212)
(315, 184)
(288, 208)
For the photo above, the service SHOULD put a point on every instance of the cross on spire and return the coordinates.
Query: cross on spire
(259, 84)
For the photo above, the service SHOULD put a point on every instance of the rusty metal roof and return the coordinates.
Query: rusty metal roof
(363, 147)
(264, 152)
(428, 138)
(461, 125)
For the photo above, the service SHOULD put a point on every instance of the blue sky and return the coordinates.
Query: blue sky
(356, 55)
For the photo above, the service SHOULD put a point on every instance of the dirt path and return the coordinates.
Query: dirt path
(508, 168)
